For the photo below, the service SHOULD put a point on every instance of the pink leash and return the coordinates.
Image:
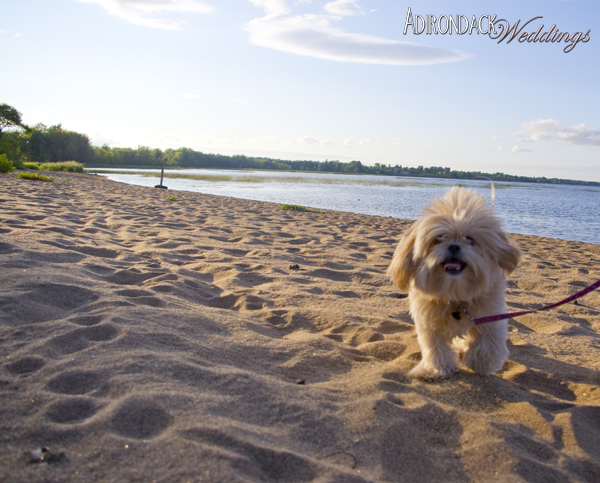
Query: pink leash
(494, 318)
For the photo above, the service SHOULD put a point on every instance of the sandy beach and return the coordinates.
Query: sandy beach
(216, 339)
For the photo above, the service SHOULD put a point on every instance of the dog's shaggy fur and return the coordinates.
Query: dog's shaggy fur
(456, 255)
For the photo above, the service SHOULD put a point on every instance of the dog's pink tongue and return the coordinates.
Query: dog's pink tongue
(452, 266)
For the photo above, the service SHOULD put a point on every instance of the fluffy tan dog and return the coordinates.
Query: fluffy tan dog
(455, 259)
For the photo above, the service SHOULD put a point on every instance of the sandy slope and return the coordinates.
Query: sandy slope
(143, 339)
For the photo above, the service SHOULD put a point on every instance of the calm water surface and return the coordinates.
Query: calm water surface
(556, 211)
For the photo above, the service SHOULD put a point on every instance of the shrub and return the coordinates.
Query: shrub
(70, 166)
(35, 177)
(6, 166)
(299, 208)
(18, 163)
(31, 166)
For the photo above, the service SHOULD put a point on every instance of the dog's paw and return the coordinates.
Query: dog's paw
(428, 372)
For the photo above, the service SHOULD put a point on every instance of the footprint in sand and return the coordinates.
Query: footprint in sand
(40, 302)
(62, 231)
(77, 382)
(139, 418)
(72, 410)
(259, 462)
(32, 259)
(385, 350)
(99, 333)
(395, 382)
(329, 274)
(86, 320)
(251, 302)
(142, 297)
(5, 247)
(26, 365)
(85, 250)
(79, 339)
(131, 277)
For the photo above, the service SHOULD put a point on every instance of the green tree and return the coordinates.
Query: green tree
(56, 144)
(9, 117)
(10, 141)
(10, 145)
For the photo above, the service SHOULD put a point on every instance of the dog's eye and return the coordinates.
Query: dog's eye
(470, 241)
(440, 239)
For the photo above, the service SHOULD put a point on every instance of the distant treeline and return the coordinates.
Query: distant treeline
(188, 158)
(43, 144)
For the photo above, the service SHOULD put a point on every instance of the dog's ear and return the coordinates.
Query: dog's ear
(403, 267)
(509, 255)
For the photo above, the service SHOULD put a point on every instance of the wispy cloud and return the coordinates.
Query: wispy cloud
(542, 130)
(344, 7)
(311, 140)
(581, 135)
(519, 149)
(273, 6)
(137, 11)
(351, 142)
(315, 35)
(307, 140)
(549, 130)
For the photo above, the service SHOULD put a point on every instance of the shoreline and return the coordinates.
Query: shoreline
(173, 341)
(377, 197)
(565, 182)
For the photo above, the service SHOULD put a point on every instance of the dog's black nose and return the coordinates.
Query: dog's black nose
(454, 249)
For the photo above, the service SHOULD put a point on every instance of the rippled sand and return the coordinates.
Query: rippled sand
(224, 340)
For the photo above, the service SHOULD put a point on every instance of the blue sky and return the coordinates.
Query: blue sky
(313, 79)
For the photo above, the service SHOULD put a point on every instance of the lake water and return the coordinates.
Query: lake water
(569, 212)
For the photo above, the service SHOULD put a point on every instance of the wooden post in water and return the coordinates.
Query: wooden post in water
(162, 174)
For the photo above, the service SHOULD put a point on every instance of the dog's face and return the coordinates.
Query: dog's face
(455, 251)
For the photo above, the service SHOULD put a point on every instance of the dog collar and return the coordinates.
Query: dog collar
(456, 314)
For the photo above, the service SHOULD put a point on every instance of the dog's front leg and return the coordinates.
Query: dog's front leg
(487, 352)
(439, 359)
